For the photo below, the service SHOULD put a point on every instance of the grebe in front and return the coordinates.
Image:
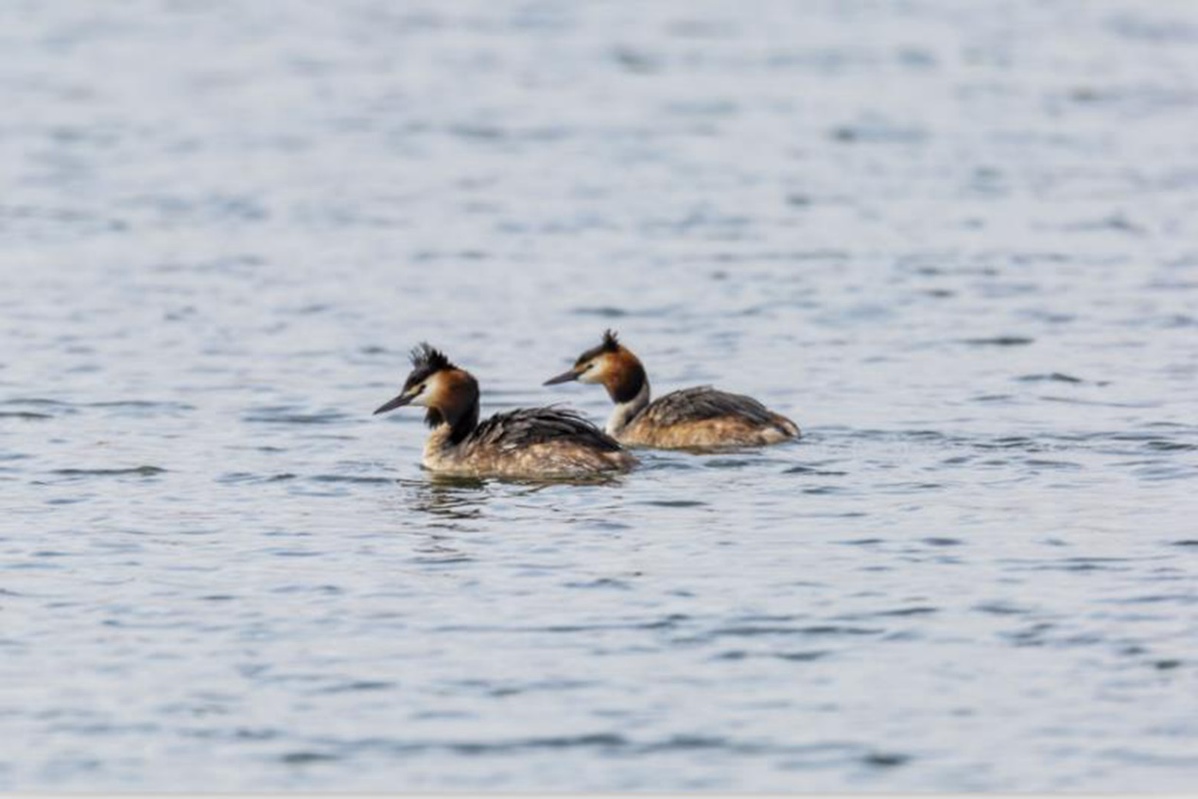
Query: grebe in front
(524, 443)
(693, 418)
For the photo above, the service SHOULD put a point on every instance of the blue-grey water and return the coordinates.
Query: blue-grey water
(955, 241)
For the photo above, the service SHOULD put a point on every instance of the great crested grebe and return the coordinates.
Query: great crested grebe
(524, 443)
(693, 418)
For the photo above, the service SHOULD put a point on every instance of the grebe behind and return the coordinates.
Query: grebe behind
(692, 418)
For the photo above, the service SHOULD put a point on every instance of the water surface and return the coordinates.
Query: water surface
(957, 245)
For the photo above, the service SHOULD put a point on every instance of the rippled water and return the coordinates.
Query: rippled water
(955, 242)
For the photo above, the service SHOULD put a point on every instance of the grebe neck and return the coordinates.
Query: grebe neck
(451, 426)
(626, 409)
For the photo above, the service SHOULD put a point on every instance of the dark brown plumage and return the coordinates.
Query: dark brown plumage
(705, 402)
(524, 427)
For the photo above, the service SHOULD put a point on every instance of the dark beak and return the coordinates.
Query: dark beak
(398, 402)
(564, 377)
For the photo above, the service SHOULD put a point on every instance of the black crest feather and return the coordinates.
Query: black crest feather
(610, 342)
(426, 361)
(427, 357)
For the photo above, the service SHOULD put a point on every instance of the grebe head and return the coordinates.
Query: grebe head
(609, 363)
(449, 393)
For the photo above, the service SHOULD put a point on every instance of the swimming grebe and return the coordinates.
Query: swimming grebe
(693, 418)
(528, 443)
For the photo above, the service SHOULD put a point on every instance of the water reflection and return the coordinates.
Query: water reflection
(454, 498)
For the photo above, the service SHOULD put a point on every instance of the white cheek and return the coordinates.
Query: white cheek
(600, 370)
(422, 398)
(434, 394)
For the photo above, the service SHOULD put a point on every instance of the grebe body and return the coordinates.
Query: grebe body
(692, 418)
(527, 443)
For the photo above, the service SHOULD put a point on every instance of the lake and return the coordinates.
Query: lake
(956, 244)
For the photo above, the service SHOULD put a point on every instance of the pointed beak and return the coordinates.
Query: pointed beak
(398, 402)
(564, 377)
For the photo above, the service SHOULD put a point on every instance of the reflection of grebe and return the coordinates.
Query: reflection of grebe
(448, 498)
(524, 443)
(696, 418)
